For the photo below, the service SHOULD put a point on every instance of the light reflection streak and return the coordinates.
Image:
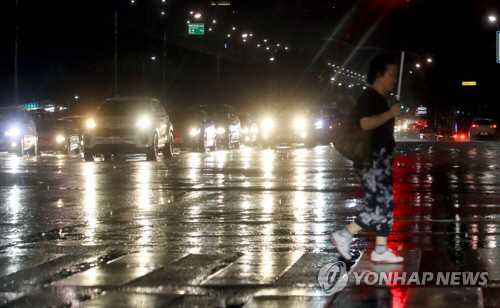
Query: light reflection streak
(194, 162)
(299, 212)
(89, 200)
(144, 204)
(267, 158)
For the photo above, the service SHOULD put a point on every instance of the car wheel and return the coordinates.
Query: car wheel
(203, 146)
(152, 155)
(20, 151)
(214, 146)
(168, 149)
(88, 156)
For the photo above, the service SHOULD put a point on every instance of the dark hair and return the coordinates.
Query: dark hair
(378, 66)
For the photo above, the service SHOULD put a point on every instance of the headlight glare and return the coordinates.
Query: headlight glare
(299, 123)
(318, 124)
(12, 132)
(221, 130)
(91, 123)
(267, 124)
(144, 122)
(60, 138)
(194, 132)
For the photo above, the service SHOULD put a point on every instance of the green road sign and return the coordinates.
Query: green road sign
(196, 29)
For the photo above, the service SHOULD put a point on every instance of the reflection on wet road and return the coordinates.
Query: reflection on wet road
(245, 217)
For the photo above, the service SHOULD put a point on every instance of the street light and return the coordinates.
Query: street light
(417, 65)
(271, 59)
(492, 18)
(244, 35)
(77, 97)
(197, 15)
(429, 60)
(153, 58)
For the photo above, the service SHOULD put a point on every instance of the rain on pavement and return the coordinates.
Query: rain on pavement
(241, 228)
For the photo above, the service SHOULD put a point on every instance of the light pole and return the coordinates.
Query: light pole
(16, 70)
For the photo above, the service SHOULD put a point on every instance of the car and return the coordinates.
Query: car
(193, 129)
(228, 127)
(430, 135)
(129, 125)
(58, 136)
(80, 122)
(288, 125)
(249, 129)
(483, 128)
(18, 131)
(41, 114)
(325, 121)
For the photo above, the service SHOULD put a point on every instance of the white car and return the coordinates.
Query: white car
(129, 125)
(483, 127)
(17, 131)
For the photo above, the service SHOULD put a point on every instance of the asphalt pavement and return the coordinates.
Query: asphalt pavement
(241, 228)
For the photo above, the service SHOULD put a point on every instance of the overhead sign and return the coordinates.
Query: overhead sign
(196, 29)
(421, 110)
(469, 83)
(220, 3)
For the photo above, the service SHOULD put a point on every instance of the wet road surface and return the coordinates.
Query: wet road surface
(241, 228)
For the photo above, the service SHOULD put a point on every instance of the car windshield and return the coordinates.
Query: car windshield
(484, 122)
(115, 108)
(52, 126)
(182, 117)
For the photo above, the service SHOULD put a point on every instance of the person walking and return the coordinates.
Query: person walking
(374, 114)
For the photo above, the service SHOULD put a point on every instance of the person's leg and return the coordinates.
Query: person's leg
(341, 239)
(385, 209)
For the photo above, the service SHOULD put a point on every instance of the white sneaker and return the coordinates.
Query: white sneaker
(386, 257)
(342, 244)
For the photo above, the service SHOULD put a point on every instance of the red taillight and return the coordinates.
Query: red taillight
(462, 136)
(455, 136)
(475, 126)
(493, 126)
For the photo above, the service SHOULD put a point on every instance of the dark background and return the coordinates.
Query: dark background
(66, 48)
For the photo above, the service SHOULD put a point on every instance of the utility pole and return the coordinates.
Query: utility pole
(116, 52)
(164, 67)
(16, 69)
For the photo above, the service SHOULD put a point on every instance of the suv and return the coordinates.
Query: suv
(129, 125)
(18, 131)
(228, 127)
(483, 127)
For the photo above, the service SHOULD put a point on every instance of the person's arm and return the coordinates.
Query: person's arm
(373, 122)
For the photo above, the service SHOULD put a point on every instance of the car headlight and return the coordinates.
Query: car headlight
(299, 123)
(267, 124)
(194, 132)
(12, 132)
(60, 138)
(221, 130)
(91, 123)
(254, 129)
(144, 122)
(318, 124)
(245, 130)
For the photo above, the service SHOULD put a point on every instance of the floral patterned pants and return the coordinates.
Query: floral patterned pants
(376, 178)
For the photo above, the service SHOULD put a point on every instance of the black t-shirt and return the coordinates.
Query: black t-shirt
(372, 103)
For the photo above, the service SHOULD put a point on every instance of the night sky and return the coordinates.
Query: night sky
(66, 48)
